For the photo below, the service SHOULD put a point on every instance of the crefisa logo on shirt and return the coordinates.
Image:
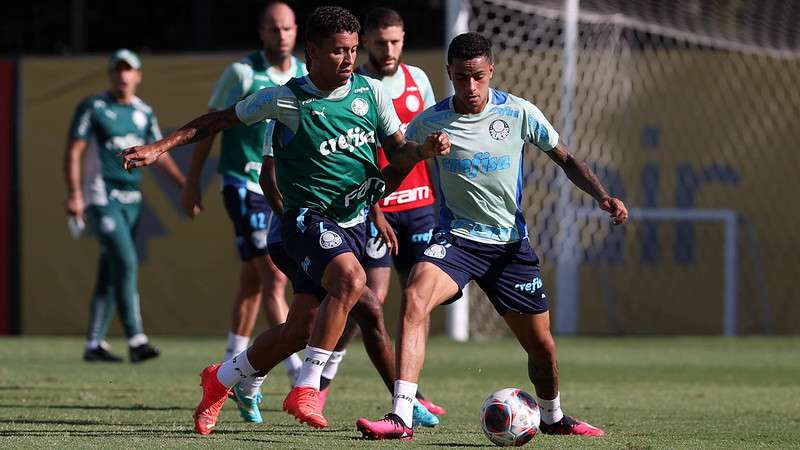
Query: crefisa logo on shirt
(359, 107)
(499, 129)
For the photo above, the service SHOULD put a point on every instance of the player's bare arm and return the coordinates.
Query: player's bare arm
(403, 155)
(191, 198)
(583, 177)
(72, 174)
(269, 185)
(199, 128)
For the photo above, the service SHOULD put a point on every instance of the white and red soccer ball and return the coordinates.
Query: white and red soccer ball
(510, 417)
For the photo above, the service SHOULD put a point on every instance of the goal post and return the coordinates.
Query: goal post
(686, 111)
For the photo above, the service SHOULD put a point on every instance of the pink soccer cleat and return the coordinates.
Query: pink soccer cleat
(214, 396)
(323, 397)
(432, 407)
(390, 427)
(303, 403)
(568, 425)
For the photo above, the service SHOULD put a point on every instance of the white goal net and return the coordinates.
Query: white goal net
(687, 111)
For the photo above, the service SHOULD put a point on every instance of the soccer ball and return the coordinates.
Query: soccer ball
(510, 417)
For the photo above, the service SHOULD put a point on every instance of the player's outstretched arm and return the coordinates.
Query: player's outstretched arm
(199, 128)
(403, 155)
(583, 177)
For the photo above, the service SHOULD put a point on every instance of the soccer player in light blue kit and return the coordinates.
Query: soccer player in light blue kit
(482, 234)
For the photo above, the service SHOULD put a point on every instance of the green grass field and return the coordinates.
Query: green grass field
(646, 392)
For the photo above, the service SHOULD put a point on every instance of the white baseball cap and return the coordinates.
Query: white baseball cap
(124, 55)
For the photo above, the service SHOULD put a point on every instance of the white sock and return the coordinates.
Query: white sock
(550, 409)
(137, 340)
(235, 370)
(293, 365)
(236, 344)
(251, 385)
(403, 403)
(332, 366)
(315, 361)
(93, 344)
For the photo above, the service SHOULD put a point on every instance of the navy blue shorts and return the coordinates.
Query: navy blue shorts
(508, 273)
(413, 228)
(282, 260)
(312, 241)
(285, 263)
(252, 219)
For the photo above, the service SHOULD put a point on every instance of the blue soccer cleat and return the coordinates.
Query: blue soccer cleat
(248, 406)
(421, 416)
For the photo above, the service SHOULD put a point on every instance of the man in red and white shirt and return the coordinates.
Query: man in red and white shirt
(401, 224)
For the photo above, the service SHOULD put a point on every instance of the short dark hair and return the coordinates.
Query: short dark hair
(378, 18)
(326, 21)
(468, 46)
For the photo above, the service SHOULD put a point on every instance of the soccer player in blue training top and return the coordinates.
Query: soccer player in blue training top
(482, 234)
(330, 123)
(103, 125)
(240, 167)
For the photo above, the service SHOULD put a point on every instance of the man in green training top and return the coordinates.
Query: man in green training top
(328, 127)
(240, 166)
(103, 125)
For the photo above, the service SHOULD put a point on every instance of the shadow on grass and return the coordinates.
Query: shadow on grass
(51, 421)
(139, 433)
(427, 444)
(454, 444)
(100, 407)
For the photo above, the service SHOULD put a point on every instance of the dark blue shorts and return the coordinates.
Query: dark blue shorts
(312, 241)
(508, 273)
(282, 260)
(285, 263)
(252, 219)
(413, 228)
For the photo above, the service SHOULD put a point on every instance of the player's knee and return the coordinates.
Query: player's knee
(271, 277)
(543, 348)
(349, 286)
(279, 279)
(415, 305)
(126, 263)
(368, 311)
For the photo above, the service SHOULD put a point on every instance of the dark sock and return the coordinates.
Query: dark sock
(324, 383)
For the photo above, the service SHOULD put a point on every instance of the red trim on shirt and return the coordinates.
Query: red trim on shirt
(416, 190)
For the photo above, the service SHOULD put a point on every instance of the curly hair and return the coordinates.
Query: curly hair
(468, 46)
(326, 21)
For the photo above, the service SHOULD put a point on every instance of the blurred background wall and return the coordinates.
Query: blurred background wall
(686, 110)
